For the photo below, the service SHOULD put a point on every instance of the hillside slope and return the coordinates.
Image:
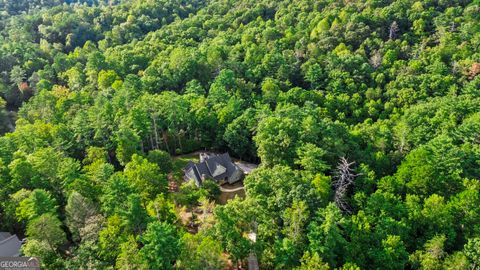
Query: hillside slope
(364, 116)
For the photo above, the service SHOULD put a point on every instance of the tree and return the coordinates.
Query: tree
(135, 216)
(234, 222)
(270, 91)
(276, 137)
(437, 219)
(17, 75)
(277, 188)
(162, 159)
(10, 206)
(433, 168)
(163, 210)
(128, 144)
(93, 225)
(296, 218)
(96, 95)
(75, 77)
(145, 177)
(78, 210)
(432, 256)
(312, 261)
(160, 245)
(39, 202)
(106, 78)
(456, 260)
(47, 228)
(325, 234)
(310, 158)
(394, 254)
(129, 258)
(211, 189)
(41, 249)
(238, 134)
(315, 76)
(110, 239)
(393, 30)
(115, 194)
(472, 251)
(344, 178)
(200, 252)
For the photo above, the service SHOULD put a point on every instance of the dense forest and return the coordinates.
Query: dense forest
(364, 116)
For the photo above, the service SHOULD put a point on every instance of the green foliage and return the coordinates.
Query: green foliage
(115, 194)
(312, 262)
(189, 194)
(162, 159)
(433, 168)
(146, 177)
(472, 250)
(211, 189)
(96, 96)
(163, 210)
(310, 158)
(200, 252)
(161, 246)
(38, 202)
(135, 216)
(78, 209)
(232, 226)
(110, 239)
(325, 234)
(47, 229)
(432, 256)
(129, 257)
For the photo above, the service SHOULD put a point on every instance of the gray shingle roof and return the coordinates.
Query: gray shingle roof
(4, 235)
(202, 169)
(217, 167)
(9, 245)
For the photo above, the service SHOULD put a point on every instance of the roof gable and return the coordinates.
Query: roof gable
(219, 170)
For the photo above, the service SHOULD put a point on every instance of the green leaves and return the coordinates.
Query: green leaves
(145, 177)
(433, 168)
(200, 252)
(103, 93)
(47, 229)
(325, 234)
(161, 246)
(37, 203)
(310, 158)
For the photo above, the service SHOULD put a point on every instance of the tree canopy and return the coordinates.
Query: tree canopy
(362, 115)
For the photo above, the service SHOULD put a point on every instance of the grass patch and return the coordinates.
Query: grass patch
(180, 162)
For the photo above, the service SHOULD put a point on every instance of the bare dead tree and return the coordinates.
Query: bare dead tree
(344, 177)
(376, 60)
(453, 27)
(393, 30)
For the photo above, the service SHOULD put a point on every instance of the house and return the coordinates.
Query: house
(219, 168)
(9, 245)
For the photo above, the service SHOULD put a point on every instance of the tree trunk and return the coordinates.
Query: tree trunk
(253, 262)
(165, 140)
(151, 141)
(156, 132)
(180, 142)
